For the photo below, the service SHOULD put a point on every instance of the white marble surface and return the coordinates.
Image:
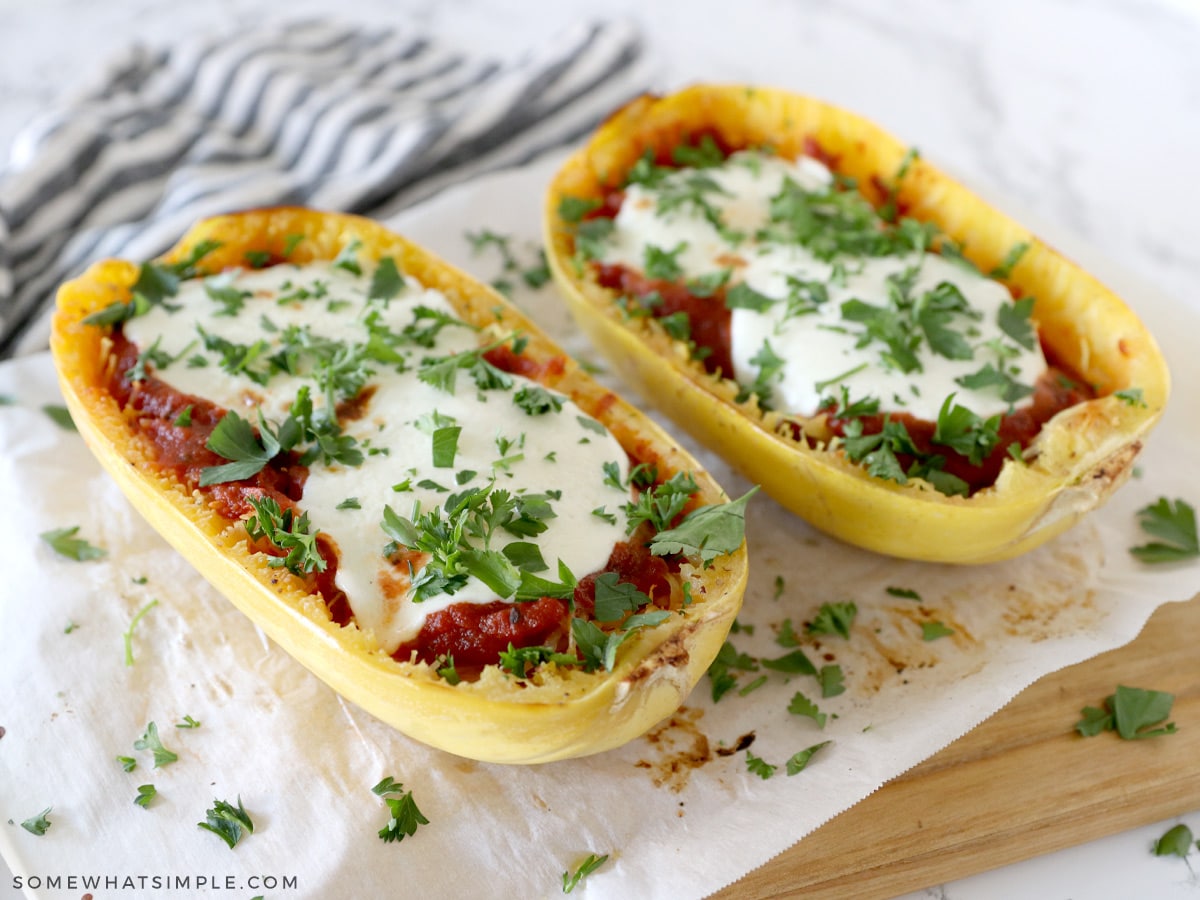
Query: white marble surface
(1086, 114)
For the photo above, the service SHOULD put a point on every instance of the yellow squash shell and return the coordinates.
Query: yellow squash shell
(1079, 458)
(558, 713)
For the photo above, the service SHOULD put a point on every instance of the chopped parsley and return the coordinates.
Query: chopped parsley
(151, 741)
(287, 531)
(38, 824)
(800, 705)
(759, 767)
(227, 822)
(128, 633)
(573, 209)
(932, 631)
(571, 880)
(1177, 841)
(707, 532)
(234, 439)
(1134, 713)
(145, 794)
(833, 618)
(347, 259)
(404, 815)
(535, 400)
(832, 681)
(664, 264)
(1174, 524)
(64, 542)
(386, 282)
(799, 761)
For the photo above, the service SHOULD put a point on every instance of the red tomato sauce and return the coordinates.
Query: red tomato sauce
(474, 634)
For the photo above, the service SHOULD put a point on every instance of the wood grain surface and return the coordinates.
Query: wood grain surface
(1021, 784)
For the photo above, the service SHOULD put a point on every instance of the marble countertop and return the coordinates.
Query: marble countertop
(1084, 114)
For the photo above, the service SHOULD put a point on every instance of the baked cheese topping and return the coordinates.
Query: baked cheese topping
(420, 419)
(819, 300)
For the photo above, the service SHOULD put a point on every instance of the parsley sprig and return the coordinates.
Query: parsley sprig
(227, 821)
(707, 532)
(287, 531)
(152, 742)
(1134, 713)
(1174, 524)
(405, 816)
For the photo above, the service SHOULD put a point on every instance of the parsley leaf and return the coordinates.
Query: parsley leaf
(904, 593)
(931, 631)
(599, 648)
(537, 401)
(1131, 397)
(405, 816)
(570, 880)
(1177, 841)
(707, 532)
(151, 741)
(794, 663)
(615, 598)
(60, 416)
(287, 532)
(966, 433)
(441, 372)
(1004, 268)
(989, 377)
(1134, 713)
(445, 446)
(386, 282)
(226, 822)
(347, 258)
(38, 824)
(770, 368)
(234, 439)
(64, 542)
(832, 681)
(742, 296)
(1175, 525)
(833, 618)
(799, 761)
(1013, 319)
(146, 793)
(573, 209)
(802, 706)
(759, 767)
(522, 661)
(664, 264)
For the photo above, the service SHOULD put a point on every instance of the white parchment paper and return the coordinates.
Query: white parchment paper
(678, 812)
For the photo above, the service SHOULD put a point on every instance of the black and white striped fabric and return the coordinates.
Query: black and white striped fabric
(331, 116)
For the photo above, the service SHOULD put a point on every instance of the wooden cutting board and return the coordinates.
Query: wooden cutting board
(1021, 784)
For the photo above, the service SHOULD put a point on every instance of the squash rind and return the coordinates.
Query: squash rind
(1079, 458)
(559, 714)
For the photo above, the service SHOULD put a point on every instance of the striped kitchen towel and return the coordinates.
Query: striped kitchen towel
(338, 117)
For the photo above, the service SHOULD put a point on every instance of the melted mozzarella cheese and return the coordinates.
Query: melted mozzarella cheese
(557, 451)
(821, 350)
